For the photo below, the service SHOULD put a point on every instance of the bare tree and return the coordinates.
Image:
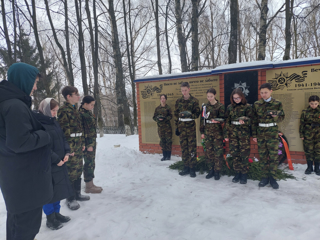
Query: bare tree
(155, 8)
(232, 50)
(288, 35)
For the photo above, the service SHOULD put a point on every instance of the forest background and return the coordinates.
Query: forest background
(102, 46)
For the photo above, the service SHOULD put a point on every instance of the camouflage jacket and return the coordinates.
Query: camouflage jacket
(164, 112)
(260, 114)
(309, 121)
(216, 111)
(70, 121)
(89, 127)
(191, 105)
(234, 111)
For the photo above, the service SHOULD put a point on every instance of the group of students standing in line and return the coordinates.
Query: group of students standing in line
(235, 124)
(42, 153)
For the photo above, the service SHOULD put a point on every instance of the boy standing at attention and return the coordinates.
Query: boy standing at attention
(71, 123)
(186, 111)
(267, 113)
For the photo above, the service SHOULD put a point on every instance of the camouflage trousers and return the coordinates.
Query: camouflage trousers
(75, 163)
(311, 148)
(214, 151)
(268, 152)
(188, 143)
(165, 135)
(239, 146)
(89, 164)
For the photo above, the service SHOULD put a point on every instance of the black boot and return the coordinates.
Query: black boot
(61, 218)
(316, 168)
(243, 179)
(192, 172)
(263, 182)
(274, 183)
(79, 196)
(237, 177)
(168, 155)
(309, 170)
(185, 171)
(164, 153)
(216, 175)
(53, 223)
(210, 174)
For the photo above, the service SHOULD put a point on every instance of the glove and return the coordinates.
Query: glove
(177, 132)
(186, 114)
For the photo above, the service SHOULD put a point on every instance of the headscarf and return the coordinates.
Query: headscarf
(44, 107)
(23, 76)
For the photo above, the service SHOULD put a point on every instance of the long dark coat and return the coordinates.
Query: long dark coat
(25, 166)
(60, 147)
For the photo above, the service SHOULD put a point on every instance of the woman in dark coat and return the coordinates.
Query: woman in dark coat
(59, 155)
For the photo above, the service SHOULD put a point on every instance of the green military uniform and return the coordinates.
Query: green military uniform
(310, 131)
(90, 135)
(70, 121)
(214, 134)
(239, 135)
(266, 134)
(187, 129)
(164, 126)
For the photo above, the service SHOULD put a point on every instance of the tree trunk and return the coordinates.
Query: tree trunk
(289, 13)
(14, 30)
(232, 50)
(66, 24)
(133, 86)
(6, 34)
(156, 16)
(122, 101)
(167, 38)
(63, 55)
(81, 48)
(194, 34)
(263, 30)
(40, 50)
(181, 37)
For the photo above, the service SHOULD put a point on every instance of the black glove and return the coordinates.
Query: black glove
(161, 117)
(177, 132)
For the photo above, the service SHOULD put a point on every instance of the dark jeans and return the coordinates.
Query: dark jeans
(24, 226)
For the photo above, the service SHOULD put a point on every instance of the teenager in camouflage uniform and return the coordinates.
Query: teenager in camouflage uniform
(212, 131)
(267, 113)
(90, 135)
(71, 123)
(186, 111)
(162, 115)
(238, 133)
(310, 134)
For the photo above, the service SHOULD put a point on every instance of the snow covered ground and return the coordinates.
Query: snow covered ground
(143, 199)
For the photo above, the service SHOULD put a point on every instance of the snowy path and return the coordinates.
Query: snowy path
(143, 199)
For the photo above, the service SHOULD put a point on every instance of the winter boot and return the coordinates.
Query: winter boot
(236, 177)
(53, 223)
(309, 170)
(168, 155)
(91, 188)
(185, 171)
(274, 183)
(210, 174)
(216, 175)
(61, 218)
(72, 203)
(316, 168)
(79, 196)
(164, 153)
(192, 173)
(263, 182)
(243, 179)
